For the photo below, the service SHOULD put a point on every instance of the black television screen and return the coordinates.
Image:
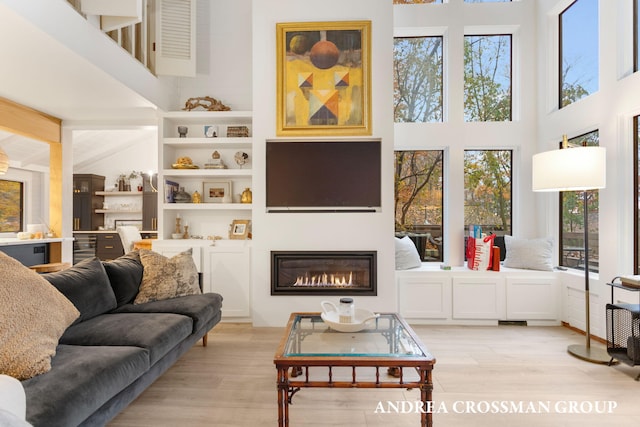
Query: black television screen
(323, 175)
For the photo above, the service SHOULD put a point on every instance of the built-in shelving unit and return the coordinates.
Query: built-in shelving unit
(206, 218)
(225, 265)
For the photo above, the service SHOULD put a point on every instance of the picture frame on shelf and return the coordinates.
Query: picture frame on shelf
(239, 229)
(126, 222)
(323, 78)
(210, 131)
(218, 191)
(170, 189)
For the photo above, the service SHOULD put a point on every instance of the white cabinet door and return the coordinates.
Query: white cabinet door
(425, 297)
(227, 271)
(478, 297)
(533, 298)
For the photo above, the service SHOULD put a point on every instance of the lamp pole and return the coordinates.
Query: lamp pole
(585, 352)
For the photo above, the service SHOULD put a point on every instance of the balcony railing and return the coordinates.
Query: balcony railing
(134, 38)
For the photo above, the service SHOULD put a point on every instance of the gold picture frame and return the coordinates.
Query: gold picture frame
(239, 229)
(217, 191)
(323, 78)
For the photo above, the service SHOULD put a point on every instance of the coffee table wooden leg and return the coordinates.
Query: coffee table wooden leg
(426, 388)
(283, 397)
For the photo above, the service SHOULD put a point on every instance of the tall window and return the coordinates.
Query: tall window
(11, 206)
(487, 190)
(418, 200)
(487, 78)
(578, 51)
(572, 219)
(417, 83)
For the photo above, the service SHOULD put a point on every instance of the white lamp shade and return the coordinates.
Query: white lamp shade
(570, 169)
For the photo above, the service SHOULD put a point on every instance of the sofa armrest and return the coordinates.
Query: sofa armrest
(12, 397)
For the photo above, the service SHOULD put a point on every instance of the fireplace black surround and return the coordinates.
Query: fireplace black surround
(323, 273)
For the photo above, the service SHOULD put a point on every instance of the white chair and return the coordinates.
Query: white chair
(128, 235)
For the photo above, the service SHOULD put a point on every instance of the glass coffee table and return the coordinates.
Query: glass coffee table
(385, 354)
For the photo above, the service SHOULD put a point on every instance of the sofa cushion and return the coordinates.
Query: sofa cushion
(81, 381)
(125, 275)
(87, 286)
(33, 315)
(165, 278)
(156, 332)
(200, 308)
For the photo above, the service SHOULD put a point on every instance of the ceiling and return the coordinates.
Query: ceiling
(89, 147)
(39, 72)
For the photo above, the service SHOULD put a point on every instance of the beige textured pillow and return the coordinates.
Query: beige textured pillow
(165, 278)
(33, 316)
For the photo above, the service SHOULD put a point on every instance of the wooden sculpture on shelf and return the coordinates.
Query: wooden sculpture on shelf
(206, 102)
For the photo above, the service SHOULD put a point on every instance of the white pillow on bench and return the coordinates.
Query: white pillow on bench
(530, 254)
(406, 254)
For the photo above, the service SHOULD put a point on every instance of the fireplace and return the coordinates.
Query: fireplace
(323, 273)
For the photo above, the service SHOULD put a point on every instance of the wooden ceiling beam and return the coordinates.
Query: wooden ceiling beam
(27, 122)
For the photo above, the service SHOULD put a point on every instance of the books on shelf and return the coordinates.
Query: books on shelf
(631, 281)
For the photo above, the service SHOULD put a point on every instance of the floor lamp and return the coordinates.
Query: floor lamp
(575, 169)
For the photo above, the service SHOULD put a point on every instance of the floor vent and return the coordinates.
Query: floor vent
(512, 322)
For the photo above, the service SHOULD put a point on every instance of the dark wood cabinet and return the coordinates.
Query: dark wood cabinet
(109, 246)
(150, 211)
(85, 202)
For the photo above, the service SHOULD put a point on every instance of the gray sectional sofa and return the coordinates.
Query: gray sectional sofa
(115, 349)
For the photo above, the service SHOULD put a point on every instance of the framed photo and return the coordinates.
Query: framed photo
(323, 78)
(170, 189)
(239, 229)
(217, 192)
(122, 222)
(211, 131)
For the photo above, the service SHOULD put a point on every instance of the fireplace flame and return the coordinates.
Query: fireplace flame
(325, 279)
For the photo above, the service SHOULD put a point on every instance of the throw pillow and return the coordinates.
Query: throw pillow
(165, 278)
(531, 254)
(407, 255)
(125, 275)
(87, 286)
(33, 316)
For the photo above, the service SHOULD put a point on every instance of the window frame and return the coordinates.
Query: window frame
(511, 185)
(511, 75)
(561, 212)
(442, 74)
(414, 227)
(22, 206)
(561, 55)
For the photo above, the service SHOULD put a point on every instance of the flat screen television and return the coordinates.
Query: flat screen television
(323, 175)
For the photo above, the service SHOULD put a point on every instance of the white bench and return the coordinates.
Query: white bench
(430, 295)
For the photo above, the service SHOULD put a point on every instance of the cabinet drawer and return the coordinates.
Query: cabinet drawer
(109, 245)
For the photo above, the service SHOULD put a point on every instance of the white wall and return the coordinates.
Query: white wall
(310, 231)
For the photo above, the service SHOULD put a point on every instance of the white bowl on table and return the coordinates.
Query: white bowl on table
(332, 318)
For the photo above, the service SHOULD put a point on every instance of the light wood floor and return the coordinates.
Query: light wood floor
(232, 382)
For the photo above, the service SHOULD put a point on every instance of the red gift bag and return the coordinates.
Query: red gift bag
(480, 252)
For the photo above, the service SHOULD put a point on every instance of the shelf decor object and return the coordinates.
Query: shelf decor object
(579, 168)
(323, 78)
